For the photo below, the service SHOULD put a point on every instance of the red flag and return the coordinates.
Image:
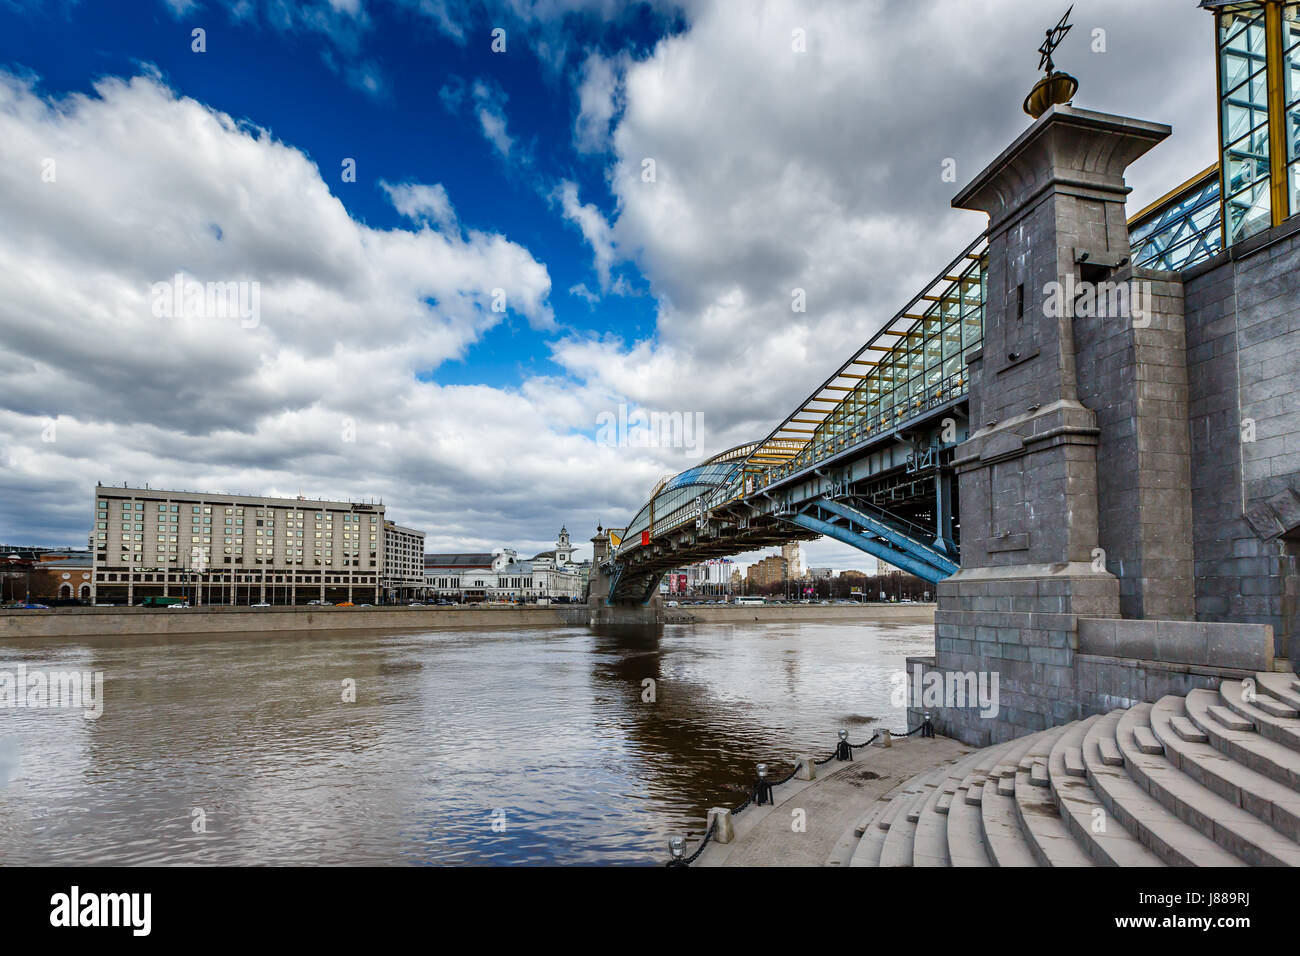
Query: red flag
(645, 539)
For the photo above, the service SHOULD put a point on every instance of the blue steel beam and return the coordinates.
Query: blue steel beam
(899, 539)
(870, 545)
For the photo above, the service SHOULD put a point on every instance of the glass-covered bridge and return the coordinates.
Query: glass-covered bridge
(908, 382)
(861, 458)
(864, 457)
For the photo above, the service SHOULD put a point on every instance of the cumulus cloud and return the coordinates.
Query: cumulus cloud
(775, 170)
(599, 95)
(594, 229)
(109, 196)
(820, 169)
(422, 203)
(489, 103)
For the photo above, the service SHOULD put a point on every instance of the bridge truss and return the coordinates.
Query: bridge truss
(865, 459)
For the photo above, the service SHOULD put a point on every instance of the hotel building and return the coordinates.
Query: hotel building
(403, 575)
(234, 549)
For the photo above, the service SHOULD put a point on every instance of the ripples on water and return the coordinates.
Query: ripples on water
(448, 728)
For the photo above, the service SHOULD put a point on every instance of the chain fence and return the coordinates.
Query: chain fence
(761, 791)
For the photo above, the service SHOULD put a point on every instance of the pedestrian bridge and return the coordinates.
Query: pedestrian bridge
(865, 458)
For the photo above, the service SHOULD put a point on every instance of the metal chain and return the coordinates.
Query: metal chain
(787, 778)
(687, 861)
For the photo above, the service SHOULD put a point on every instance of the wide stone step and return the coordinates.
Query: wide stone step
(965, 826)
(1234, 829)
(1230, 719)
(867, 852)
(899, 799)
(1274, 803)
(1003, 839)
(972, 785)
(900, 840)
(1105, 841)
(1184, 728)
(930, 842)
(1110, 754)
(1146, 741)
(1072, 759)
(1281, 686)
(1285, 730)
(1260, 754)
(1169, 838)
(1049, 841)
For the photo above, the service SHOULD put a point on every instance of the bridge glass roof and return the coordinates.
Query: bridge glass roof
(675, 500)
(1183, 228)
(915, 363)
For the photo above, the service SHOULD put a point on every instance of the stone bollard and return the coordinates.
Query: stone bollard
(720, 818)
(886, 739)
(807, 770)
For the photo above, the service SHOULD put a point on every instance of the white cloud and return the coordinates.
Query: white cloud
(490, 104)
(594, 228)
(778, 170)
(422, 203)
(148, 184)
(598, 100)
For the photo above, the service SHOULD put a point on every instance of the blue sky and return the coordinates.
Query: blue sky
(476, 172)
(299, 85)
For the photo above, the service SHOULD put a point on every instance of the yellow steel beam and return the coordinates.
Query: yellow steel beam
(1277, 119)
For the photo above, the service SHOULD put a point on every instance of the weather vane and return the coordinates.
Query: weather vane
(1054, 88)
(1054, 38)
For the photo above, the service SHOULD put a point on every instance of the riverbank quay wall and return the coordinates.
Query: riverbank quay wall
(101, 622)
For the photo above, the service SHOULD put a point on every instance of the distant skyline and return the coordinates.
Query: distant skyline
(460, 263)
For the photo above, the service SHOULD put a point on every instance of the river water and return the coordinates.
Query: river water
(461, 747)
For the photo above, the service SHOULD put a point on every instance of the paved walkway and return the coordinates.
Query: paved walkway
(831, 805)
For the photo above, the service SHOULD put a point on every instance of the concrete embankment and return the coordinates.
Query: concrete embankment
(100, 621)
(867, 613)
(827, 807)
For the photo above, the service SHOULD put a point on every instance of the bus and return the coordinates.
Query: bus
(162, 601)
(748, 600)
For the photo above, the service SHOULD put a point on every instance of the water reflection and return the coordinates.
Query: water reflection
(476, 747)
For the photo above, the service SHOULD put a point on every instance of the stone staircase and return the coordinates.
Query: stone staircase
(1210, 779)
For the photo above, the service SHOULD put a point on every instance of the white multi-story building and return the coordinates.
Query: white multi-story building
(501, 575)
(793, 555)
(403, 575)
(234, 549)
